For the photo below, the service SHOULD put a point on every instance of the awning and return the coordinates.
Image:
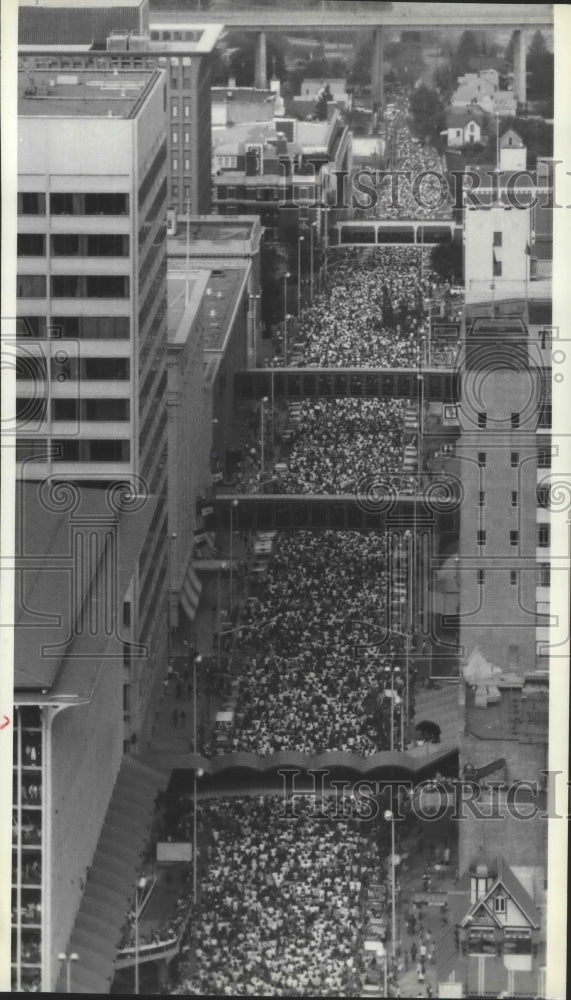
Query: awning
(190, 593)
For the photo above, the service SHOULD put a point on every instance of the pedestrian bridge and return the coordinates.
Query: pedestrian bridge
(383, 508)
(431, 384)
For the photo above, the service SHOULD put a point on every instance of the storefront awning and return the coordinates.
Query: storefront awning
(190, 593)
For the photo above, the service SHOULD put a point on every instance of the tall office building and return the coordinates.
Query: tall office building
(91, 366)
(96, 34)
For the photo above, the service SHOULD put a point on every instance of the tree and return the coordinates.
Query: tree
(428, 112)
(321, 103)
(242, 56)
(468, 47)
(540, 69)
(446, 260)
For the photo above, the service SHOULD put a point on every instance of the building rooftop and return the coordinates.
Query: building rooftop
(83, 93)
(215, 236)
(185, 290)
(459, 117)
(230, 138)
(221, 296)
(249, 95)
(56, 655)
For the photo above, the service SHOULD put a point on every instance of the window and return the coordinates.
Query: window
(544, 575)
(482, 498)
(481, 537)
(497, 270)
(543, 536)
(31, 449)
(126, 612)
(31, 327)
(514, 459)
(500, 904)
(187, 192)
(174, 138)
(174, 190)
(187, 138)
(175, 163)
(91, 327)
(65, 245)
(106, 368)
(514, 537)
(104, 450)
(481, 577)
(482, 420)
(544, 457)
(31, 286)
(105, 409)
(31, 203)
(187, 111)
(543, 496)
(31, 245)
(497, 239)
(481, 459)
(29, 409)
(174, 109)
(65, 409)
(187, 164)
(514, 498)
(513, 577)
(30, 368)
(231, 192)
(106, 286)
(515, 420)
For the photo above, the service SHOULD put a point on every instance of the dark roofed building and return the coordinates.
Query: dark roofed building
(85, 22)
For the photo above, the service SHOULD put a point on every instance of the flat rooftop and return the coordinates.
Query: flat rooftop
(221, 293)
(56, 654)
(83, 93)
(185, 291)
(214, 236)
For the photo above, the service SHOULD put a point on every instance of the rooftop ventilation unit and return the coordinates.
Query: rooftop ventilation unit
(138, 41)
(118, 41)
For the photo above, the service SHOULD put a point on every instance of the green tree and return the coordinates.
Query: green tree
(446, 260)
(540, 69)
(428, 112)
(468, 46)
(241, 49)
(321, 103)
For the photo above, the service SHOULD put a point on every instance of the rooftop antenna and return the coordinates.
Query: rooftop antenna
(187, 251)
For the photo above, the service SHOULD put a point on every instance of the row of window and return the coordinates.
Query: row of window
(175, 109)
(483, 420)
(543, 535)
(543, 576)
(543, 458)
(73, 286)
(186, 163)
(65, 369)
(72, 450)
(73, 245)
(543, 497)
(185, 138)
(77, 327)
(152, 174)
(108, 203)
(73, 409)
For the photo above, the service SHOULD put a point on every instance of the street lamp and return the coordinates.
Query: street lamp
(287, 275)
(263, 402)
(232, 506)
(311, 228)
(198, 772)
(223, 566)
(68, 959)
(299, 242)
(197, 660)
(392, 670)
(139, 887)
(389, 816)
